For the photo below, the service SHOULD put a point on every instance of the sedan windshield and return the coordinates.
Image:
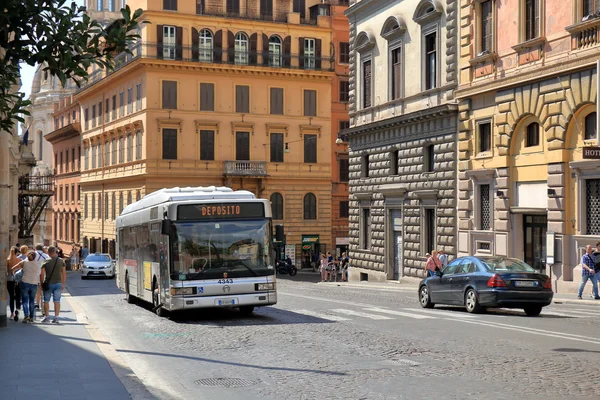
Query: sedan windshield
(97, 258)
(499, 264)
(207, 250)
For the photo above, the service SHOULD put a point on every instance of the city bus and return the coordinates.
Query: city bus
(200, 247)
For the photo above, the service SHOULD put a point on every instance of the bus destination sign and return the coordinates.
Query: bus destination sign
(220, 211)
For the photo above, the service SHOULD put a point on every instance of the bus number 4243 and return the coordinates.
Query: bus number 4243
(224, 281)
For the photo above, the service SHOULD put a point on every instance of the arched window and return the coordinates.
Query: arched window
(310, 206)
(205, 44)
(533, 135)
(241, 48)
(277, 205)
(275, 51)
(590, 126)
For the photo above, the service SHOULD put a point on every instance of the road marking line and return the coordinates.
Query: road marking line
(583, 313)
(400, 313)
(319, 315)
(323, 299)
(360, 314)
(457, 314)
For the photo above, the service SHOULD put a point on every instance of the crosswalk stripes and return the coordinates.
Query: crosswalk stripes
(399, 313)
(321, 315)
(359, 314)
(445, 313)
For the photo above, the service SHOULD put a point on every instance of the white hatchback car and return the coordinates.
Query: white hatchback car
(98, 265)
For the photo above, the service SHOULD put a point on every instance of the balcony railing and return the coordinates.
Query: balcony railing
(246, 168)
(209, 54)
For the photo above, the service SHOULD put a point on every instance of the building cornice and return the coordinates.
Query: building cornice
(64, 133)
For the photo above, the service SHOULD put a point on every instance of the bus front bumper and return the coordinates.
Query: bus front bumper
(232, 300)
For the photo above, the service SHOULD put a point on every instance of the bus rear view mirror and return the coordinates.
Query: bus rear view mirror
(166, 227)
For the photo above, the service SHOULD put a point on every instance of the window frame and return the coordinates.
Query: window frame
(396, 47)
(433, 30)
(309, 207)
(344, 94)
(365, 229)
(273, 111)
(310, 112)
(344, 209)
(241, 48)
(344, 57)
(429, 158)
(482, 44)
(591, 117)
(170, 5)
(277, 207)
(276, 147)
(166, 153)
(479, 139)
(240, 107)
(206, 43)
(310, 148)
(529, 142)
(206, 155)
(344, 170)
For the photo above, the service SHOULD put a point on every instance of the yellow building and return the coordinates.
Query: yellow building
(242, 101)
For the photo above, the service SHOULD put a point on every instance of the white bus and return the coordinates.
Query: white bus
(187, 248)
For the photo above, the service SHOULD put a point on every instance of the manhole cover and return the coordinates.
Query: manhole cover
(225, 382)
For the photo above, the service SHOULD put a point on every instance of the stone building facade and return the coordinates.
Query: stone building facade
(402, 135)
(527, 110)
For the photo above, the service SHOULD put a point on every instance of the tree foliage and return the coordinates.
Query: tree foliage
(59, 35)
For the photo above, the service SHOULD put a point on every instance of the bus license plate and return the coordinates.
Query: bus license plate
(226, 302)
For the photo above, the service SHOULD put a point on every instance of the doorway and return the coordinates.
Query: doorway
(534, 247)
(396, 224)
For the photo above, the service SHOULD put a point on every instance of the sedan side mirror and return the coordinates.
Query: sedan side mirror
(439, 273)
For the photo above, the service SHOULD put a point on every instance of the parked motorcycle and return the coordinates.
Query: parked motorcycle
(284, 268)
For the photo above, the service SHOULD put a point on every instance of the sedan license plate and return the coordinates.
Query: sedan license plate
(525, 283)
(226, 302)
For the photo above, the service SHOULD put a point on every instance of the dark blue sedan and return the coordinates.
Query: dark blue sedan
(488, 281)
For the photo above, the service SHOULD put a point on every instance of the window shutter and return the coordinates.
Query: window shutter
(207, 93)
(179, 42)
(195, 44)
(245, 99)
(218, 47)
(287, 50)
(159, 41)
(276, 101)
(231, 46)
(301, 52)
(253, 48)
(265, 52)
(318, 53)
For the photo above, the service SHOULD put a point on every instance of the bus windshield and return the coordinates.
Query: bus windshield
(214, 250)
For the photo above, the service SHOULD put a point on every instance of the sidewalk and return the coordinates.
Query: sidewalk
(50, 361)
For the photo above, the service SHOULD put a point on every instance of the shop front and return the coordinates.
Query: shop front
(311, 248)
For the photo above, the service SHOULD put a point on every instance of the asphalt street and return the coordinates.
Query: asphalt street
(329, 341)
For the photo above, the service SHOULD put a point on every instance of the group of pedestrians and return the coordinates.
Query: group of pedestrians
(31, 273)
(329, 267)
(590, 270)
(436, 261)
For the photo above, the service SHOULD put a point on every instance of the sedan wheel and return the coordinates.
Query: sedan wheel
(472, 302)
(424, 298)
(533, 311)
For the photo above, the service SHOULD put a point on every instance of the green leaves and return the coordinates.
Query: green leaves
(59, 35)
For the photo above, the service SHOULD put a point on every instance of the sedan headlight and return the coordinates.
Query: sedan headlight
(181, 291)
(265, 286)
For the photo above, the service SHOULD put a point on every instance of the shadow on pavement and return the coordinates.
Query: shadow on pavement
(569, 350)
(502, 312)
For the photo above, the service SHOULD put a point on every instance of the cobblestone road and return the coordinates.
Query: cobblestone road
(334, 342)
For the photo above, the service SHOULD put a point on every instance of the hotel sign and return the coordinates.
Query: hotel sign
(591, 152)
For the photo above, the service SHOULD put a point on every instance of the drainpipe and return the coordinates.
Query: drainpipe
(5, 140)
(598, 102)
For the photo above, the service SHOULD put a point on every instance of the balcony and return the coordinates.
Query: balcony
(246, 168)
(210, 55)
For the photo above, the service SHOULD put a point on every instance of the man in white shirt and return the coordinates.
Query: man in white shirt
(443, 258)
(40, 257)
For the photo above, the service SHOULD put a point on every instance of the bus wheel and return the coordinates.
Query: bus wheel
(130, 299)
(246, 310)
(156, 305)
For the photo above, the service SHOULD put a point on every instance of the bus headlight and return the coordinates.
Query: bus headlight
(265, 286)
(179, 291)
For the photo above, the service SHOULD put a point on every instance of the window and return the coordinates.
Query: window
(590, 126)
(121, 199)
(344, 209)
(233, 7)
(199, 6)
(242, 99)
(276, 101)
(275, 51)
(121, 104)
(129, 198)
(72, 192)
(85, 206)
(169, 142)
(429, 232)
(532, 19)
(430, 60)
(310, 148)
(105, 206)
(344, 125)
(344, 53)
(429, 158)
(241, 48)
(277, 205)
(344, 165)
(114, 151)
(365, 229)
(86, 158)
(114, 107)
(129, 100)
(67, 160)
(129, 148)
(487, 27)
(93, 116)
(138, 97)
(485, 137)
(310, 206)
(242, 146)
(533, 135)
(111, 5)
(396, 73)
(484, 208)
(310, 103)
(344, 91)
(138, 195)
(266, 9)
(169, 94)
(205, 43)
(589, 7)
(207, 97)
(106, 110)
(99, 5)
(86, 115)
(138, 145)
(364, 166)
(366, 83)
(592, 203)
(114, 206)
(169, 42)
(276, 147)
(121, 150)
(99, 113)
(170, 5)
(94, 156)
(207, 145)
(394, 170)
(106, 160)
(66, 193)
(299, 6)
(310, 46)
(93, 206)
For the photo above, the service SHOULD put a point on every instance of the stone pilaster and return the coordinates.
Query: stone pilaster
(556, 202)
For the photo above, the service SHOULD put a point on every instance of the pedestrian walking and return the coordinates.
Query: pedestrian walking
(331, 269)
(53, 278)
(14, 292)
(28, 285)
(588, 262)
(39, 259)
(84, 253)
(443, 258)
(74, 258)
(24, 250)
(596, 267)
(323, 268)
(433, 264)
(344, 266)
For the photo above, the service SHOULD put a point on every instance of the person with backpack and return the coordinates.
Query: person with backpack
(29, 284)
(433, 264)
(39, 259)
(14, 292)
(344, 266)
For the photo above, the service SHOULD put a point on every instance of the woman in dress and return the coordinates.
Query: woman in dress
(323, 268)
(29, 284)
(14, 294)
